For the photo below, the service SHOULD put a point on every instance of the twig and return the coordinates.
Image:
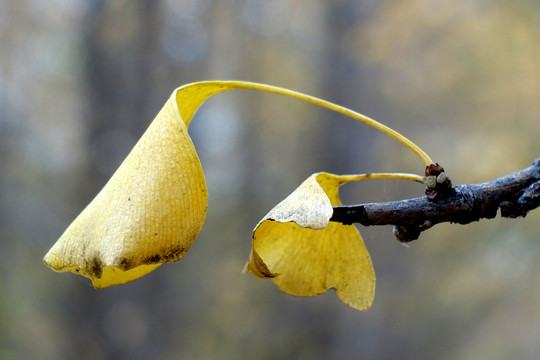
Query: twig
(515, 194)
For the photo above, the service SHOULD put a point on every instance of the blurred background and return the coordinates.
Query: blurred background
(81, 80)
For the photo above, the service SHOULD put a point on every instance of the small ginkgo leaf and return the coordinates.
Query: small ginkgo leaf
(149, 212)
(305, 254)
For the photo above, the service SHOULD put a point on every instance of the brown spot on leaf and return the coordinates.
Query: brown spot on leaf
(94, 266)
(125, 264)
(169, 255)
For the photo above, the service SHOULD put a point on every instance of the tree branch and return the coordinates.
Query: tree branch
(515, 194)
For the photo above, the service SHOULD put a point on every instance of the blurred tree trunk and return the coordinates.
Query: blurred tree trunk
(347, 83)
(119, 72)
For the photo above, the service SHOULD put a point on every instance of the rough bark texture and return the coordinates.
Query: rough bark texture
(515, 194)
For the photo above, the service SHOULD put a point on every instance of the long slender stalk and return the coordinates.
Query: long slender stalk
(401, 176)
(221, 86)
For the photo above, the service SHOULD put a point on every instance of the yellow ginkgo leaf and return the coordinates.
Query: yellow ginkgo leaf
(149, 212)
(305, 254)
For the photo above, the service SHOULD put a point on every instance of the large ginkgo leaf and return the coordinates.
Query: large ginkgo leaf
(149, 212)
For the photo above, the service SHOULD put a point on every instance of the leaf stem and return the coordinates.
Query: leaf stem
(401, 176)
(215, 87)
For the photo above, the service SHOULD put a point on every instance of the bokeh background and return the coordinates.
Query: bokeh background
(81, 80)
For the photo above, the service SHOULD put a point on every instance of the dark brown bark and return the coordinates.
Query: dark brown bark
(514, 194)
